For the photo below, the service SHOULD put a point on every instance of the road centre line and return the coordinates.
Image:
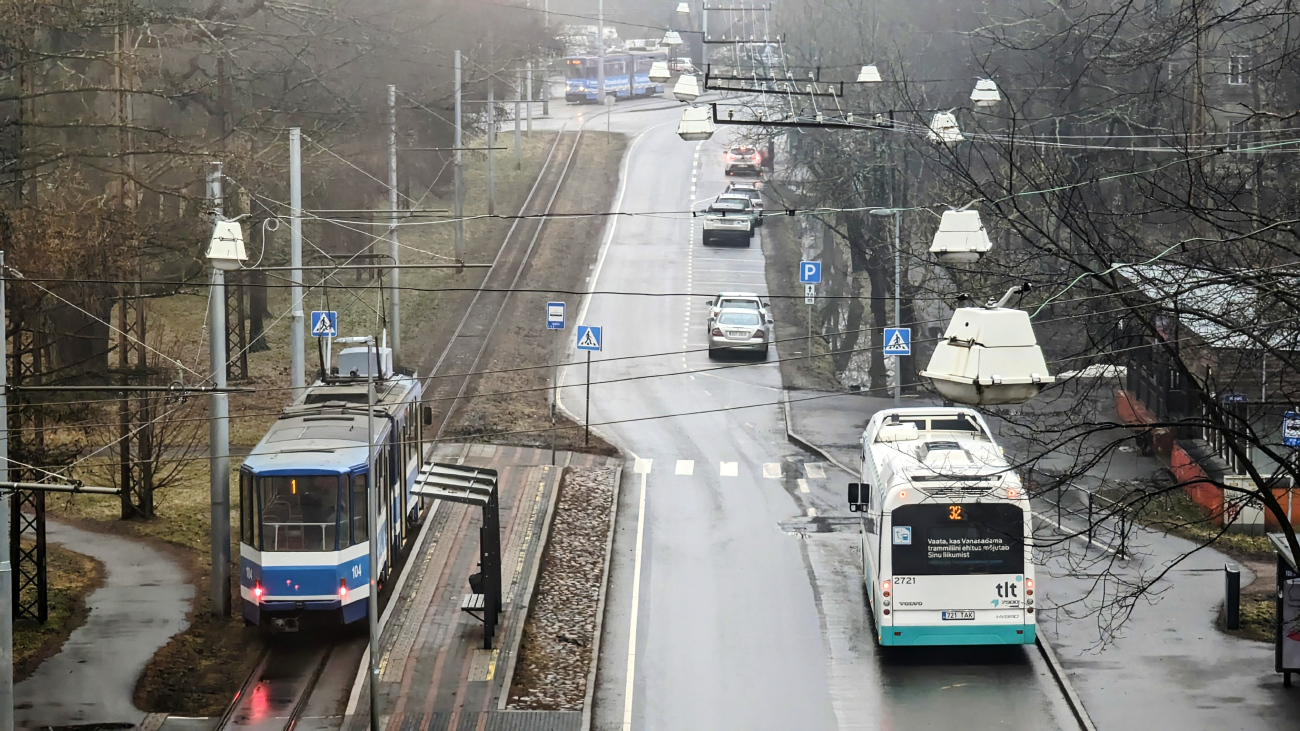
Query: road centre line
(729, 469)
(685, 467)
(772, 470)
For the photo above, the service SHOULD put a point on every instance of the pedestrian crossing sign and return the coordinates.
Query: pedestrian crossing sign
(898, 341)
(589, 338)
(325, 323)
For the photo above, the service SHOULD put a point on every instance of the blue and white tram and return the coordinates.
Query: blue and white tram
(581, 77)
(945, 528)
(641, 63)
(304, 536)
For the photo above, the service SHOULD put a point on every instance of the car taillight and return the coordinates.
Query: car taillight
(759, 334)
(258, 591)
(717, 332)
(885, 586)
(754, 158)
(343, 588)
(731, 158)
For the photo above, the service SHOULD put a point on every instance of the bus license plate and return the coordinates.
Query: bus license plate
(958, 615)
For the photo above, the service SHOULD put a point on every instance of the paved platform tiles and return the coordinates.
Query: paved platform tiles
(434, 673)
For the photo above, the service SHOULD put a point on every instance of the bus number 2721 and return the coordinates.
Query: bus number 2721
(899, 580)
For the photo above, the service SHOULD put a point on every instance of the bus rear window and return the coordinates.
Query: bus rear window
(968, 538)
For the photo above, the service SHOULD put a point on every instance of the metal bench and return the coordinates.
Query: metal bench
(471, 603)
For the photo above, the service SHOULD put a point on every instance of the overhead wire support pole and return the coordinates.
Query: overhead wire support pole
(529, 85)
(372, 531)
(218, 433)
(491, 143)
(600, 52)
(6, 566)
(458, 174)
(394, 276)
(519, 82)
(297, 330)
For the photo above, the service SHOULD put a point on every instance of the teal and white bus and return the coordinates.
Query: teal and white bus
(945, 531)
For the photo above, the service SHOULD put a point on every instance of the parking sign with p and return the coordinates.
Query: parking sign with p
(810, 272)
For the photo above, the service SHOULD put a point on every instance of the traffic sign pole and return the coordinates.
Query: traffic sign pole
(586, 428)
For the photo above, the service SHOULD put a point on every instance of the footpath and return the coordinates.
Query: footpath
(1167, 666)
(142, 604)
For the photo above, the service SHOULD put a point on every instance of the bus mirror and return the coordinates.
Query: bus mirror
(427, 415)
(855, 491)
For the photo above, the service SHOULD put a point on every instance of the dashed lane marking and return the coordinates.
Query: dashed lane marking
(815, 470)
(812, 512)
(642, 466)
(729, 469)
(803, 485)
(772, 470)
(685, 467)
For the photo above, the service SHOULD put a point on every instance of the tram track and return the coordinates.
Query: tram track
(275, 694)
(468, 343)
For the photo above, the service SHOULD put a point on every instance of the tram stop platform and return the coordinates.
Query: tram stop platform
(434, 674)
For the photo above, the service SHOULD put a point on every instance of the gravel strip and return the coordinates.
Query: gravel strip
(555, 653)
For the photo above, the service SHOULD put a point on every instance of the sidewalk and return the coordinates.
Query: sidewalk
(1169, 667)
(142, 604)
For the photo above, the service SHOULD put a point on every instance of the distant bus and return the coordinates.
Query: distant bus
(945, 527)
(626, 75)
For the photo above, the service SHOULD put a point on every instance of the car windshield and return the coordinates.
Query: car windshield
(748, 319)
(299, 512)
(728, 304)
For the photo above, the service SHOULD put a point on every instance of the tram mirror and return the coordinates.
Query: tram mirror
(427, 415)
(855, 492)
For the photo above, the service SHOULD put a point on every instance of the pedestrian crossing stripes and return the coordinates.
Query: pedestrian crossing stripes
(768, 470)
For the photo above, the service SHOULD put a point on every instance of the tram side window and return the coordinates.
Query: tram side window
(360, 518)
(300, 513)
(247, 511)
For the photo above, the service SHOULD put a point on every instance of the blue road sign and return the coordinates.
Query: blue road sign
(810, 272)
(1291, 429)
(589, 338)
(898, 341)
(554, 315)
(325, 323)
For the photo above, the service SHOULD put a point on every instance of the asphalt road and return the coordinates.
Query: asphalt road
(733, 602)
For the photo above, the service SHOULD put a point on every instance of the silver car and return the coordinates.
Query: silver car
(738, 301)
(739, 331)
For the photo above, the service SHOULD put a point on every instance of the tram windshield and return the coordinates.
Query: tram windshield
(299, 513)
(577, 68)
(966, 538)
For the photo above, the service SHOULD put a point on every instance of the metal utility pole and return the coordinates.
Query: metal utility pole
(600, 52)
(519, 95)
(528, 72)
(491, 145)
(6, 568)
(459, 250)
(372, 524)
(219, 434)
(898, 320)
(297, 333)
(394, 290)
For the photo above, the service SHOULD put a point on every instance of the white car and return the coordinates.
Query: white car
(728, 220)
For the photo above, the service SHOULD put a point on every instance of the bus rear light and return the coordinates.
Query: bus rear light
(1012, 493)
(886, 612)
(258, 591)
(885, 586)
(1029, 587)
(1029, 609)
(902, 494)
(343, 588)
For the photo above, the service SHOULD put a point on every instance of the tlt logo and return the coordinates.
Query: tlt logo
(1007, 590)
